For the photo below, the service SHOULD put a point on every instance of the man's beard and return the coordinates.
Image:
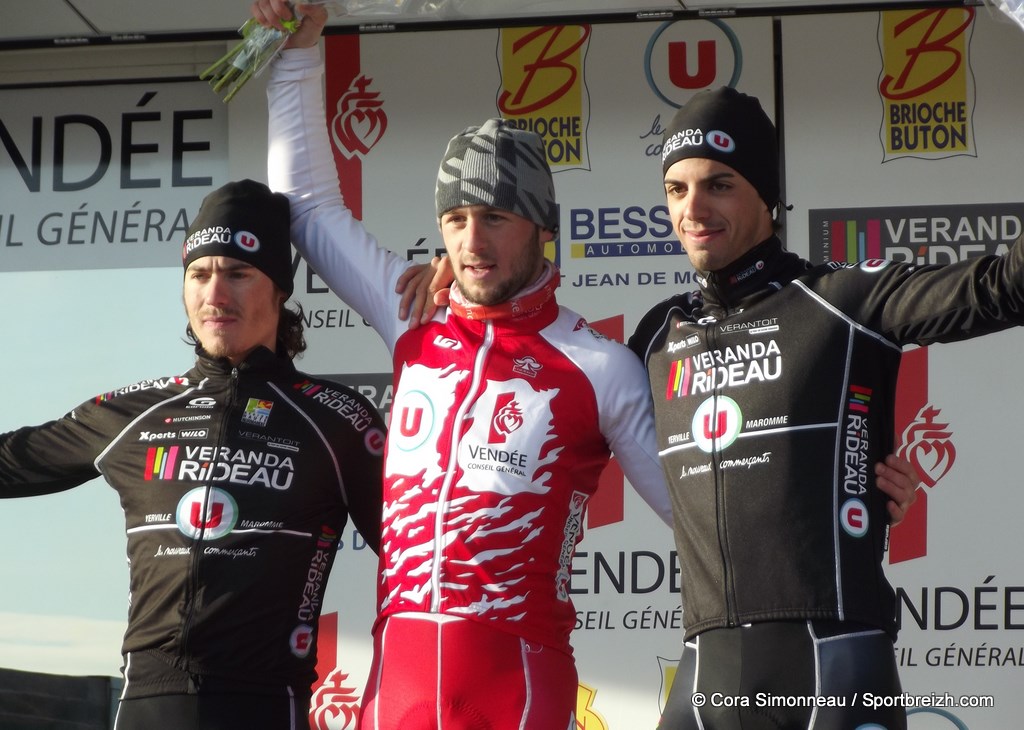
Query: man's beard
(523, 275)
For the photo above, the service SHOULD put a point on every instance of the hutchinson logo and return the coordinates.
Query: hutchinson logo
(208, 512)
(717, 423)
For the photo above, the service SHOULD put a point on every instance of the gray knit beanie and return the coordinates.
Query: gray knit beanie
(499, 165)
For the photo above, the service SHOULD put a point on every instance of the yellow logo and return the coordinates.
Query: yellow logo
(543, 89)
(926, 85)
(586, 717)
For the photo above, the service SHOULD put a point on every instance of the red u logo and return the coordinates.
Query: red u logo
(216, 515)
(410, 429)
(719, 428)
(707, 65)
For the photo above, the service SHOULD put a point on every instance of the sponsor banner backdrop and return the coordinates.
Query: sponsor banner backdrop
(932, 85)
(89, 310)
(104, 177)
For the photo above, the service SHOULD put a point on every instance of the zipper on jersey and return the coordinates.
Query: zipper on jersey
(193, 578)
(451, 468)
(721, 523)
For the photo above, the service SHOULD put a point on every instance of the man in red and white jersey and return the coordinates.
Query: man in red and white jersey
(507, 408)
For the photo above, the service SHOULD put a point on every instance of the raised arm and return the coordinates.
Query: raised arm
(301, 165)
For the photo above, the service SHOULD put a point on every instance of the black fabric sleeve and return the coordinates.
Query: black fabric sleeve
(51, 457)
(362, 464)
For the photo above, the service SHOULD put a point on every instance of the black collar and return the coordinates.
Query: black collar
(767, 266)
(260, 362)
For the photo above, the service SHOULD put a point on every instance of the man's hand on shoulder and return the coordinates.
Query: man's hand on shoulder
(899, 480)
(424, 289)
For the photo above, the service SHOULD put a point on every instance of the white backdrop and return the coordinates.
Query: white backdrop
(74, 329)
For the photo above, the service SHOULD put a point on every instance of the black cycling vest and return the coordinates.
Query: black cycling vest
(236, 484)
(774, 391)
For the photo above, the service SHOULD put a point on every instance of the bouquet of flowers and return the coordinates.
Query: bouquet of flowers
(259, 44)
(231, 71)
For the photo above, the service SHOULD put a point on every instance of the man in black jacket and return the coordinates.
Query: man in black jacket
(236, 478)
(774, 392)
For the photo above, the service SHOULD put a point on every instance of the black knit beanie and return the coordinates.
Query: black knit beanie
(730, 127)
(244, 220)
(499, 165)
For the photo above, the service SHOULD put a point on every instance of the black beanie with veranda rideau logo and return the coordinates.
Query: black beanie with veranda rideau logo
(244, 220)
(730, 127)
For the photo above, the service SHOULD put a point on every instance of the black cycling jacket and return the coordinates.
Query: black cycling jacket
(236, 483)
(774, 392)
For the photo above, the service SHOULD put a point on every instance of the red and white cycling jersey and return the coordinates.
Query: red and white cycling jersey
(501, 425)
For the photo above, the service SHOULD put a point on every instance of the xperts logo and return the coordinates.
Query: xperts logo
(208, 512)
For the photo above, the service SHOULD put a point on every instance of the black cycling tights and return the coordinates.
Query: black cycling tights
(784, 675)
(213, 712)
